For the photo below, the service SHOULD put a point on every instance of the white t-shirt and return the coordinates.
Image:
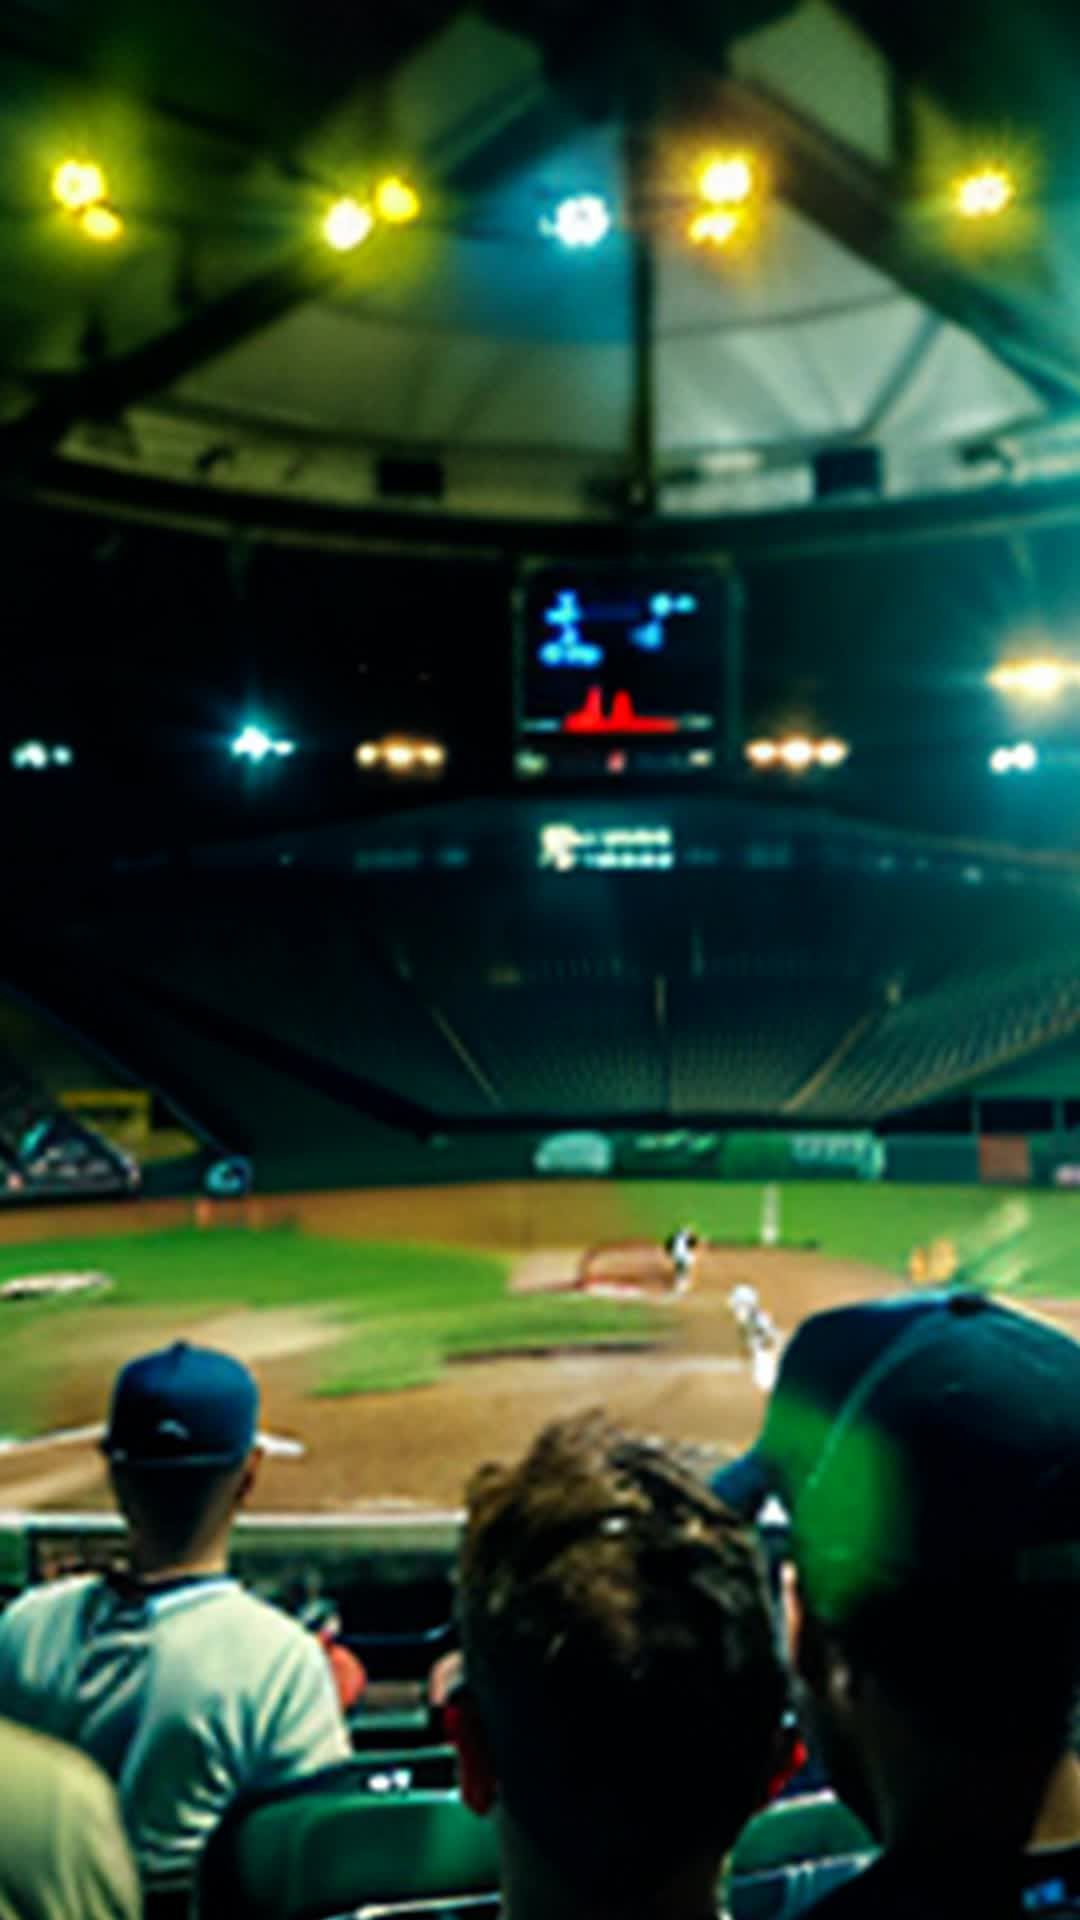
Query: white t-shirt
(184, 1696)
(64, 1855)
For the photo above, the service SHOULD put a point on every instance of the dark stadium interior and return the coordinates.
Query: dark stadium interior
(539, 751)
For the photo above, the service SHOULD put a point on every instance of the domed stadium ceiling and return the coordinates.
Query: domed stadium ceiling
(219, 363)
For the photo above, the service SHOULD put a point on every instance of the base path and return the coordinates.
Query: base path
(418, 1447)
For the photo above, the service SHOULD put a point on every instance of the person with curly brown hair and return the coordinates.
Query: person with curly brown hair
(624, 1700)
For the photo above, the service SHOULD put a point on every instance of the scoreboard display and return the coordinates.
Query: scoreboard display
(619, 673)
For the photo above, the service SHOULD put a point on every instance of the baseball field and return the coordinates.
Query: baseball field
(402, 1336)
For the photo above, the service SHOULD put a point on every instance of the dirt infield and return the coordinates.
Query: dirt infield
(418, 1447)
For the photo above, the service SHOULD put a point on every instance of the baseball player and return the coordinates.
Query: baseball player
(763, 1342)
(682, 1251)
(744, 1302)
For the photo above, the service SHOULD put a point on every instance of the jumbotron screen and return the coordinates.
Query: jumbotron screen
(618, 673)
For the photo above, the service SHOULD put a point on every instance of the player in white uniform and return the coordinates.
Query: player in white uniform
(744, 1302)
(763, 1340)
(182, 1686)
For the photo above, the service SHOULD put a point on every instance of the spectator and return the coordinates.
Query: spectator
(182, 1686)
(929, 1452)
(322, 1619)
(63, 1855)
(624, 1696)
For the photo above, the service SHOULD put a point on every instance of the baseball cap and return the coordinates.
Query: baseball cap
(183, 1406)
(919, 1443)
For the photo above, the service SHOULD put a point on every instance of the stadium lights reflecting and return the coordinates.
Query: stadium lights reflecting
(347, 224)
(81, 189)
(36, 756)
(985, 194)
(402, 755)
(255, 745)
(727, 180)
(797, 754)
(1040, 679)
(78, 184)
(100, 223)
(1023, 758)
(581, 221)
(716, 227)
(397, 202)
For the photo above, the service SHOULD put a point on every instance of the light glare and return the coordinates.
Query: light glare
(833, 753)
(583, 220)
(101, 223)
(797, 753)
(347, 225)
(715, 228)
(985, 195)
(397, 202)
(77, 184)
(256, 745)
(727, 181)
(1040, 679)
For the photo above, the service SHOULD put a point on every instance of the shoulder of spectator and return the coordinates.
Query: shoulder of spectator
(51, 1596)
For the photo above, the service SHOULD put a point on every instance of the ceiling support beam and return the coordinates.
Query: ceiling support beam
(309, 272)
(855, 202)
(643, 490)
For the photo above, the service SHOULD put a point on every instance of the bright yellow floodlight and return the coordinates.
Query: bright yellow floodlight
(985, 194)
(763, 753)
(397, 202)
(716, 228)
(797, 753)
(347, 225)
(100, 223)
(727, 180)
(77, 184)
(833, 753)
(1035, 679)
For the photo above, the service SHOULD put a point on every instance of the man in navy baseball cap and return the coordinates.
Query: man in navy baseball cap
(184, 1688)
(928, 1452)
(186, 1406)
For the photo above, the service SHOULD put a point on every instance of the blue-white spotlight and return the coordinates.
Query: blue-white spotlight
(1023, 758)
(255, 745)
(581, 221)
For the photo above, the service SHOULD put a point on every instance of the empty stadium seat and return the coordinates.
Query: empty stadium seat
(327, 1846)
(813, 1826)
(793, 1854)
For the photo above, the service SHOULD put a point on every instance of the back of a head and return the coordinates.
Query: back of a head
(929, 1451)
(182, 1424)
(620, 1652)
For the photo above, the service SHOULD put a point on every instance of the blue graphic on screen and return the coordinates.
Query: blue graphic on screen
(567, 615)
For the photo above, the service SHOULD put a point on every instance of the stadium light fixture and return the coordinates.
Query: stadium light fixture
(798, 754)
(1037, 679)
(833, 753)
(984, 194)
(580, 222)
(1023, 758)
(101, 223)
(716, 227)
(36, 756)
(78, 184)
(728, 180)
(347, 225)
(397, 202)
(256, 745)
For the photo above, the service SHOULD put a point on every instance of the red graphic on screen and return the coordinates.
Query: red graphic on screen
(623, 717)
